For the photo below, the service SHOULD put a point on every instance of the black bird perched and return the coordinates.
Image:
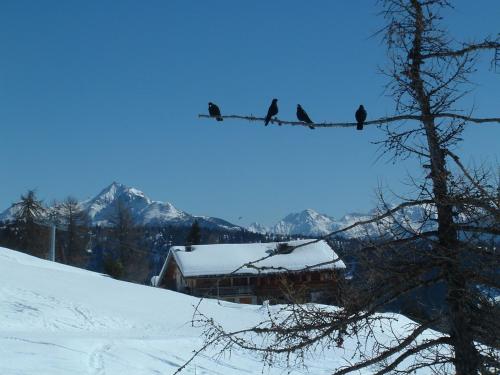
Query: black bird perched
(360, 117)
(272, 111)
(302, 116)
(214, 111)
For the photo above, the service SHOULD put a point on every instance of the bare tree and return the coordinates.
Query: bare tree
(453, 245)
(76, 234)
(131, 256)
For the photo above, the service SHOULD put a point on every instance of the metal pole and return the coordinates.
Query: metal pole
(52, 252)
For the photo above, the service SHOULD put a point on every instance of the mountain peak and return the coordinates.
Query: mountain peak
(103, 206)
(117, 190)
(102, 209)
(306, 222)
(310, 211)
(258, 228)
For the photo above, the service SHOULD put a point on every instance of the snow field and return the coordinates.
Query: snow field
(60, 320)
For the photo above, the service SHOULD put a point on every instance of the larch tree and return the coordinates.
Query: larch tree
(194, 235)
(75, 237)
(131, 258)
(31, 236)
(454, 244)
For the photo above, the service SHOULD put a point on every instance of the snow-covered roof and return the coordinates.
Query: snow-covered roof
(222, 259)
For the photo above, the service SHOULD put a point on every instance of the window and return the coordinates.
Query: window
(240, 281)
(205, 283)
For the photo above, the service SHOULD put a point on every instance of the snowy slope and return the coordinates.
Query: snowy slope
(60, 320)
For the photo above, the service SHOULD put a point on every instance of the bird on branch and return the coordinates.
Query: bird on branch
(303, 116)
(360, 117)
(214, 111)
(272, 111)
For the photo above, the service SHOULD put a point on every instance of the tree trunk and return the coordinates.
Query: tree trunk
(466, 356)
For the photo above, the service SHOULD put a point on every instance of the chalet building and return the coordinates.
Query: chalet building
(233, 272)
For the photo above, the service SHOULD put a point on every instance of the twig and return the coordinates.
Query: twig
(456, 159)
(467, 49)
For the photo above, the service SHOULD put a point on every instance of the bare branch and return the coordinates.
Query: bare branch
(468, 118)
(486, 45)
(487, 230)
(388, 353)
(412, 351)
(380, 121)
(456, 159)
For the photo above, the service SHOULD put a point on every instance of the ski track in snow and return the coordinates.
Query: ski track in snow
(96, 359)
(41, 343)
(27, 307)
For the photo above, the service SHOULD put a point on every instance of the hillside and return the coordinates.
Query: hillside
(59, 320)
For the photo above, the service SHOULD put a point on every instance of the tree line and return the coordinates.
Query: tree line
(122, 249)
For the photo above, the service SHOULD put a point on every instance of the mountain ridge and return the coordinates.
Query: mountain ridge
(102, 209)
(312, 223)
(145, 212)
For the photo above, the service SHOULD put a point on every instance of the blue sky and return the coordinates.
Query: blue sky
(98, 91)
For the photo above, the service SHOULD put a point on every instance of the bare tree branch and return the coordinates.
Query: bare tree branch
(417, 349)
(275, 120)
(456, 159)
(486, 45)
(388, 353)
(380, 121)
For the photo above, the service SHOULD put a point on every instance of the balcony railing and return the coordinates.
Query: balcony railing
(223, 291)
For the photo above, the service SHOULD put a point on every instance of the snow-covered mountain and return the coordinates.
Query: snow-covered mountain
(307, 222)
(102, 210)
(312, 223)
(258, 228)
(103, 207)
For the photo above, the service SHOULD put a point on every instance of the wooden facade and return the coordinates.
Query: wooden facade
(305, 286)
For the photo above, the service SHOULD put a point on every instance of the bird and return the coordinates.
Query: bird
(302, 116)
(360, 117)
(214, 111)
(272, 111)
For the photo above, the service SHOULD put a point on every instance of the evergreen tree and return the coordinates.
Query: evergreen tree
(194, 235)
(31, 237)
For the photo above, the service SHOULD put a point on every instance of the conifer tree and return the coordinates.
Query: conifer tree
(194, 235)
(32, 238)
